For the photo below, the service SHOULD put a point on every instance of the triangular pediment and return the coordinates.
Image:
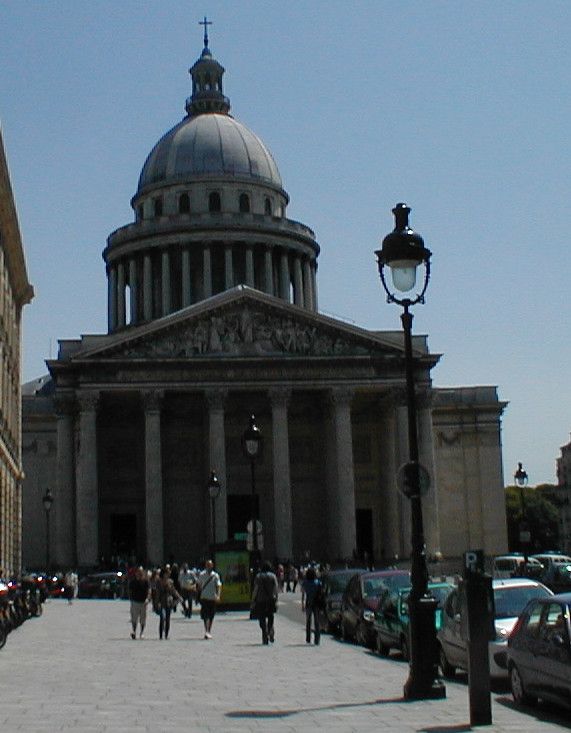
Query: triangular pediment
(240, 323)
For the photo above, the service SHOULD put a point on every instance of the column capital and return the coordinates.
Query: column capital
(279, 396)
(65, 405)
(215, 398)
(341, 396)
(88, 400)
(152, 399)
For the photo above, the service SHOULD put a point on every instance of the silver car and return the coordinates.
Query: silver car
(511, 595)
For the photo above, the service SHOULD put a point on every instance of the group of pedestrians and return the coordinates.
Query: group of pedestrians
(164, 593)
(167, 587)
(265, 599)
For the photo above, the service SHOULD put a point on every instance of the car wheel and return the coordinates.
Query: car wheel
(519, 693)
(383, 649)
(345, 635)
(404, 648)
(360, 636)
(448, 670)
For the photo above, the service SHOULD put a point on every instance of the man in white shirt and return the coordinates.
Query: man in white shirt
(209, 585)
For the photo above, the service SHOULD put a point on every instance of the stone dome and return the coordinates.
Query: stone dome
(208, 144)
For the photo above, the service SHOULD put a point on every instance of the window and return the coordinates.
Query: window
(268, 206)
(244, 203)
(214, 203)
(184, 204)
(158, 207)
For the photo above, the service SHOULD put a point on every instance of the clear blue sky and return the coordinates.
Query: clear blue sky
(460, 109)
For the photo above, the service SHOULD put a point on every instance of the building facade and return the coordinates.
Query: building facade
(15, 292)
(213, 316)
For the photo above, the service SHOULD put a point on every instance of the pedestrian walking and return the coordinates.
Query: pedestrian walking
(311, 594)
(70, 586)
(280, 574)
(292, 577)
(187, 583)
(209, 587)
(264, 601)
(167, 596)
(139, 594)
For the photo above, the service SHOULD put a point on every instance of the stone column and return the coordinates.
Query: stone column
(314, 285)
(147, 287)
(120, 295)
(86, 483)
(343, 530)
(297, 282)
(282, 481)
(166, 282)
(153, 477)
(307, 291)
(206, 272)
(186, 279)
(112, 298)
(228, 267)
(284, 275)
(133, 287)
(250, 266)
(217, 455)
(64, 539)
(268, 271)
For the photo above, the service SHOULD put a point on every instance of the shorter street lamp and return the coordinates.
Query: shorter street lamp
(252, 442)
(521, 480)
(214, 493)
(403, 252)
(47, 501)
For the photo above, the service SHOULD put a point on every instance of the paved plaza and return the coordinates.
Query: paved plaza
(77, 668)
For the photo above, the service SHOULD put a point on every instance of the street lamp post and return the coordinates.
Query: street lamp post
(252, 446)
(521, 480)
(47, 501)
(214, 493)
(403, 251)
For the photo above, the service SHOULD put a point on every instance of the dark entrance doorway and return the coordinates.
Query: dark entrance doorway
(240, 510)
(364, 518)
(123, 535)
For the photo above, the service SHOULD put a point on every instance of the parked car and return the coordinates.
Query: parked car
(101, 585)
(515, 566)
(511, 595)
(539, 652)
(361, 599)
(556, 571)
(391, 622)
(334, 584)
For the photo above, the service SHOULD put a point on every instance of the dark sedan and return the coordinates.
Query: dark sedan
(101, 585)
(361, 600)
(334, 584)
(539, 652)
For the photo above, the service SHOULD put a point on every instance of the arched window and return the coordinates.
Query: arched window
(158, 207)
(184, 204)
(244, 203)
(214, 203)
(268, 206)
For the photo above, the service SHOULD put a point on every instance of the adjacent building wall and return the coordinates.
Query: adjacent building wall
(15, 292)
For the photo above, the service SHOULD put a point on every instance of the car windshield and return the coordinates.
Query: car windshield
(375, 586)
(510, 602)
(338, 583)
(440, 593)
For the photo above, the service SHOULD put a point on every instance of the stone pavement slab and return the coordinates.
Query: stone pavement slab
(76, 668)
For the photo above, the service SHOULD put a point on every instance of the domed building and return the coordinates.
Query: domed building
(212, 318)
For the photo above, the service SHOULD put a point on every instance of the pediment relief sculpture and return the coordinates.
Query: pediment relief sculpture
(248, 332)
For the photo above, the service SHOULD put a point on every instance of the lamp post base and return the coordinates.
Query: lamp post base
(423, 681)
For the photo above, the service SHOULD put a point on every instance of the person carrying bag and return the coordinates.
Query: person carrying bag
(264, 601)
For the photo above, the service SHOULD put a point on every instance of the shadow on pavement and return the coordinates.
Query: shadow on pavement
(545, 712)
(296, 711)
